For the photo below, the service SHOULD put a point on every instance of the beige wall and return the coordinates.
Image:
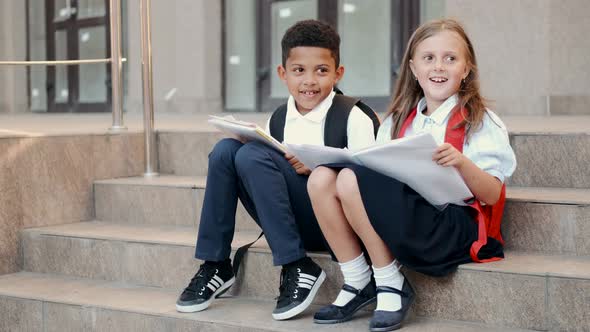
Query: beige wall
(186, 41)
(533, 54)
(13, 84)
(569, 57)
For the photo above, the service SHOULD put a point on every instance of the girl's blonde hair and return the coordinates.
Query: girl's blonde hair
(408, 92)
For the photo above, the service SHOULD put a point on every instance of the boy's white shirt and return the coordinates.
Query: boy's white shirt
(309, 128)
(489, 147)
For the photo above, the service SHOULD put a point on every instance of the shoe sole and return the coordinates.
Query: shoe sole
(202, 306)
(347, 318)
(305, 304)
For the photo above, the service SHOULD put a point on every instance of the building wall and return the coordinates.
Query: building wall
(532, 53)
(13, 83)
(187, 50)
(569, 57)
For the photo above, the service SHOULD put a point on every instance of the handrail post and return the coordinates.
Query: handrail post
(116, 66)
(148, 93)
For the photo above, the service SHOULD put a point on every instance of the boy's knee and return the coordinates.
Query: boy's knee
(249, 156)
(322, 180)
(346, 183)
(224, 150)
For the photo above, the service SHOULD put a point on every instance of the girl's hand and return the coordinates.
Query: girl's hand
(446, 155)
(297, 165)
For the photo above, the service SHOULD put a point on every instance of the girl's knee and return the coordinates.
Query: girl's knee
(346, 184)
(321, 180)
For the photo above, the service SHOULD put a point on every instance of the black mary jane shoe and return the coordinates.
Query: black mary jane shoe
(382, 320)
(332, 314)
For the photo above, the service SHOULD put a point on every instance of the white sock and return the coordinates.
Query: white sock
(357, 274)
(389, 276)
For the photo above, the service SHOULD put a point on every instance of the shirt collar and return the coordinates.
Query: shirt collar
(316, 115)
(442, 112)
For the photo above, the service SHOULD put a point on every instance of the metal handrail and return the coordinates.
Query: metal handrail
(148, 92)
(116, 66)
(58, 62)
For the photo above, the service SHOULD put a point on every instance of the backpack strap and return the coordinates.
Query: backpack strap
(277, 123)
(336, 123)
(240, 255)
(371, 114)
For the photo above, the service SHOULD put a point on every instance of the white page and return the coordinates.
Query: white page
(245, 131)
(314, 155)
(409, 160)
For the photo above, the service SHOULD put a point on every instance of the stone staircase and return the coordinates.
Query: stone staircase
(124, 270)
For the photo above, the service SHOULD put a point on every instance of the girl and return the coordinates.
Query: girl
(437, 92)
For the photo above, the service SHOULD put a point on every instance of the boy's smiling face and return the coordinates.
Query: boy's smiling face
(310, 74)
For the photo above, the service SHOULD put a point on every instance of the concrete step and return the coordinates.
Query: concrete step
(551, 151)
(186, 153)
(547, 220)
(161, 200)
(523, 291)
(38, 302)
(544, 220)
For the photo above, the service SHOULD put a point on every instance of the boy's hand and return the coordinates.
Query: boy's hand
(297, 165)
(446, 155)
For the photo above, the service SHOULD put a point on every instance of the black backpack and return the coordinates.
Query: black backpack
(336, 124)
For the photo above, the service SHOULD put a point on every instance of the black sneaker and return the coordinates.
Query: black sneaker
(212, 280)
(300, 283)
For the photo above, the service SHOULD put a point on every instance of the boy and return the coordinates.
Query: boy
(273, 186)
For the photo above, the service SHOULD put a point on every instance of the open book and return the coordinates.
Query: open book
(407, 159)
(244, 131)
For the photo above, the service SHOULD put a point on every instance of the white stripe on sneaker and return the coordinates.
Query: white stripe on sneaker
(307, 276)
(305, 282)
(215, 283)
(218, 279)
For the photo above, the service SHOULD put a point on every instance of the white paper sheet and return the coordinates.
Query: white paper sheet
(314, 155)
(408, 160)
(245, 131)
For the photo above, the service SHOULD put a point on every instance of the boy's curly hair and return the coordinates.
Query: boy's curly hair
(311, 33)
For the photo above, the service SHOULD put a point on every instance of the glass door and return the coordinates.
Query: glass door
(78, 29)
(373, 34)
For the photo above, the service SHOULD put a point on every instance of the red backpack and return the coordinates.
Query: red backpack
(488, 217)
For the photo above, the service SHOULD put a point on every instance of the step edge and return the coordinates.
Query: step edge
(263, 248)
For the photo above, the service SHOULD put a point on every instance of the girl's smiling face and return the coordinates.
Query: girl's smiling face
(440, 64)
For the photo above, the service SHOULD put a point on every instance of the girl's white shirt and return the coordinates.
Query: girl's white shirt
(489, 147)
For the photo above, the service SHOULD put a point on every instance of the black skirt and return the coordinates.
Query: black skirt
(421, 236)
